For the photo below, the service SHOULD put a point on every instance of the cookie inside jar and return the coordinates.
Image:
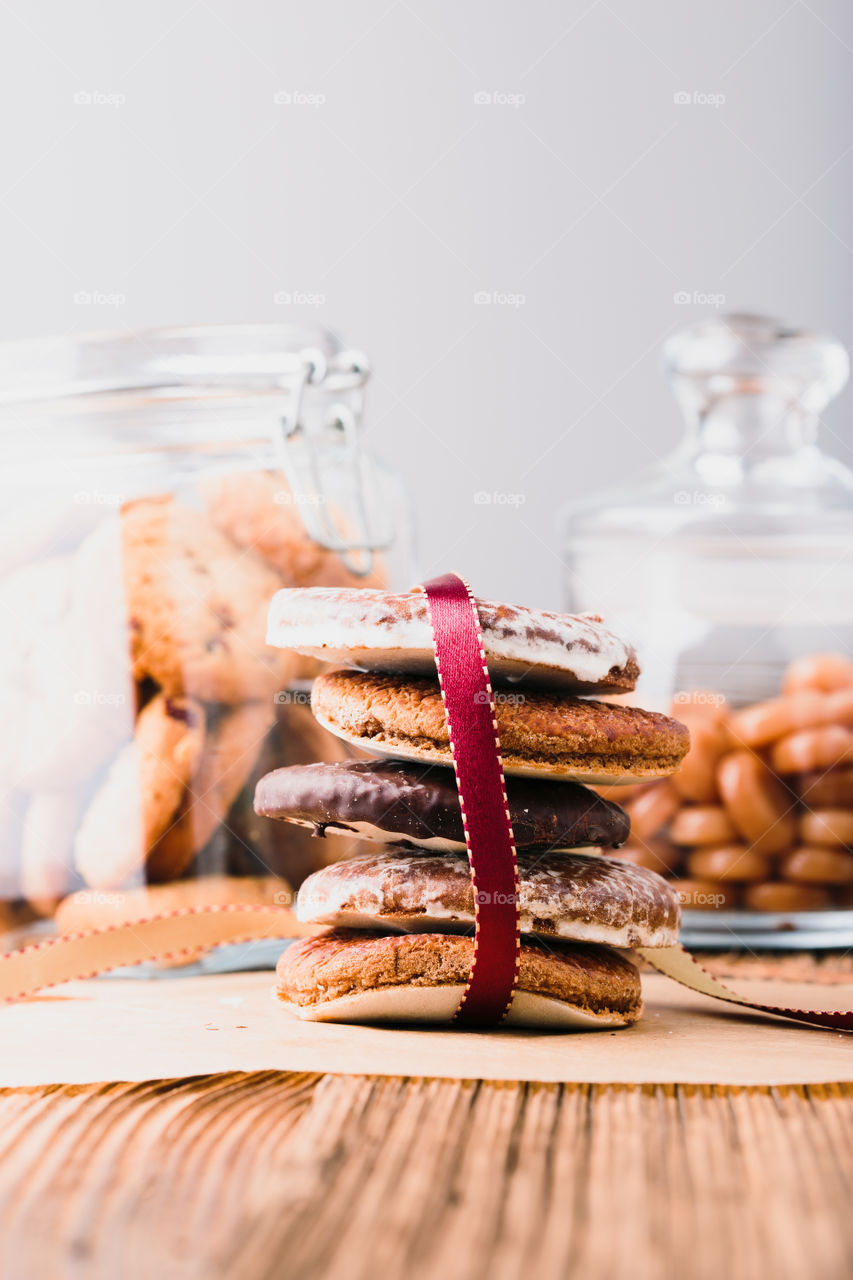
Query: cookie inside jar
(215, 706)
(760, 816)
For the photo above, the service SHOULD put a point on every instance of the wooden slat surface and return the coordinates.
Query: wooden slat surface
(282, 1175)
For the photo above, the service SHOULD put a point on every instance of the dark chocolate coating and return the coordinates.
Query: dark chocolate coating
(420, 802)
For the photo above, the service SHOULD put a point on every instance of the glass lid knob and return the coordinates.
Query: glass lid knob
(746, 355)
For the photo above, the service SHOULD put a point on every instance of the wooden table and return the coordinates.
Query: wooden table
(281, 1175)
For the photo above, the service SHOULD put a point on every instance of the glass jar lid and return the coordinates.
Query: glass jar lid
(290, 393)
(743, 355)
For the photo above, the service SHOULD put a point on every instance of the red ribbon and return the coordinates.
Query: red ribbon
(469, 705)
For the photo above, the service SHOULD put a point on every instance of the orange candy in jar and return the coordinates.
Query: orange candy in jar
(760, 816)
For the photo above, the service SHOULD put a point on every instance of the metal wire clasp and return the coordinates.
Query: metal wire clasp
(333, 482)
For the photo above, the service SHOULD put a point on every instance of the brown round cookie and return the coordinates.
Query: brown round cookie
(141, 791)
(233, 745)
(257, 511)
(382, 631)
(358, 976)
(397, 803)
(543, 734)
(575, 896)
(197, 606)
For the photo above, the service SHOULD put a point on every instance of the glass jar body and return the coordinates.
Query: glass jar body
(730, 566)
(147, 519)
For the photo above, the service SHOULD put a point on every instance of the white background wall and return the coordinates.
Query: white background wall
(184, 188)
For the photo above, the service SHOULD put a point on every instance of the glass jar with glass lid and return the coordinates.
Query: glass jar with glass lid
(730, 565)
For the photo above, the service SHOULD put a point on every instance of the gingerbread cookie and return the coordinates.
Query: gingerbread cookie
(141, 792)
(357, 976)
(64, 686)
(545, 734)
(46, 845)
(233, 745)
(396, 803)
(383, 631)
(258, 511)
(197, 606)
(574, 896)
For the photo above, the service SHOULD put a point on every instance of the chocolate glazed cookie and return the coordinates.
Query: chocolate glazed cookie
(397, 803)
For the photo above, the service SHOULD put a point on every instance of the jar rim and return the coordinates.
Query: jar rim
(216, 356)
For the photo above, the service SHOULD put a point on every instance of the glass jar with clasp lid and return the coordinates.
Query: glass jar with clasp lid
(158, 487)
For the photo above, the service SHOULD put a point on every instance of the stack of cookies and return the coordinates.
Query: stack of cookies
(398, 922)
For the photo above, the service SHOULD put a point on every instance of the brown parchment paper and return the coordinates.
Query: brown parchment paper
(137, 1029)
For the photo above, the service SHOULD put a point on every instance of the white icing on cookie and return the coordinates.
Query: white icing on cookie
(579, 897)
(377, 630)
